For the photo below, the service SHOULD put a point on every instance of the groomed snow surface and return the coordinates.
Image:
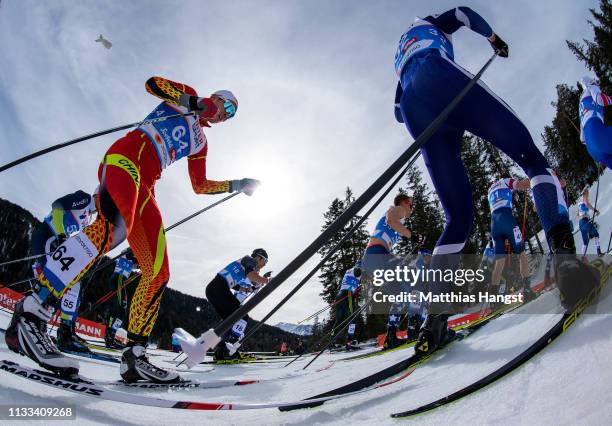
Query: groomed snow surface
(570, 382)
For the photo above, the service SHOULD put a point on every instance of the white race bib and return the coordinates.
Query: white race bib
(351, 329)
(71, 299)
(239, 328)
(68, 260)
(518, 236)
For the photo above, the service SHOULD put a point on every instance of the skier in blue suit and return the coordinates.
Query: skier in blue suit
(429, 80)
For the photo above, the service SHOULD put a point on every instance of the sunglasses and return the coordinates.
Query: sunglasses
(229, 108)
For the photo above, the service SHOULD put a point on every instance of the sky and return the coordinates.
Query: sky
(315, 84)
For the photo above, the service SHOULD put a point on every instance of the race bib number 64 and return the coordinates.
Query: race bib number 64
(68, 260)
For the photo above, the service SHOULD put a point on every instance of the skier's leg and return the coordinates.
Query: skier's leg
(427, 91)
(584, 232)
(223, 301)
(598, 138)
(220, 297)
(67, 340)
(147, 240)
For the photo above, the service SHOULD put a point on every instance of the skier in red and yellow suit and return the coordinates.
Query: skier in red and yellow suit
(127, 209)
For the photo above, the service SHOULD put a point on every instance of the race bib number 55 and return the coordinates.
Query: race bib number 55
(68, 260)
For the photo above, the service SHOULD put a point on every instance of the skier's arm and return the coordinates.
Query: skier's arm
(182, 95)
(256, 278)
(585, 198)
(394, 217)
(197, 173)
(250, 268)
(451, 20)
(398, 96)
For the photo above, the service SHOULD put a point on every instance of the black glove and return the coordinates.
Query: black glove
(59, 240)
(499, 46)
(245, 185)
(417, 239)
(608, 115)
(267, 274)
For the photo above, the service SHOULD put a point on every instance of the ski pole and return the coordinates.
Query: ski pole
(594, 210)
(25, 258)
(337, 331)
(16, 283)
(212, 336)
(87, 137)
(320, 311)
(191, 216)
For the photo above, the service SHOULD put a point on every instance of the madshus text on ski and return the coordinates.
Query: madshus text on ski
(82, 228)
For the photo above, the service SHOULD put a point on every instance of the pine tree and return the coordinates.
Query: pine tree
(350, 251)
(481, 177)
(596, 54)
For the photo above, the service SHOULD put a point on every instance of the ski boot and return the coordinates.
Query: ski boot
(391, 340)
(222, 355)
(135, 366)
(434, 333)
(221, 352)
(575, 279)
(68, 341)
(27, 335)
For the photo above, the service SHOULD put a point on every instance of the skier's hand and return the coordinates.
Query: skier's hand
(204, 107)
(499, 46)
(59, 240)
(607, 115)
(417, 238)
(246, 185)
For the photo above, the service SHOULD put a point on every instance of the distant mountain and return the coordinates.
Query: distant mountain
(300, 330)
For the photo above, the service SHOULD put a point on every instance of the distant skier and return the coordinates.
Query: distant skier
(429, 80)
(596, 121)
(346, 299)
(219, 294)
(586, 224)
(412, 311)
(127, 209)
(117, 311)
(69, 214)
(104, 42)
(505, 228)
(390, 228)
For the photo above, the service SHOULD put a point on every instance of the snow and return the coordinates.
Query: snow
(569, 382)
